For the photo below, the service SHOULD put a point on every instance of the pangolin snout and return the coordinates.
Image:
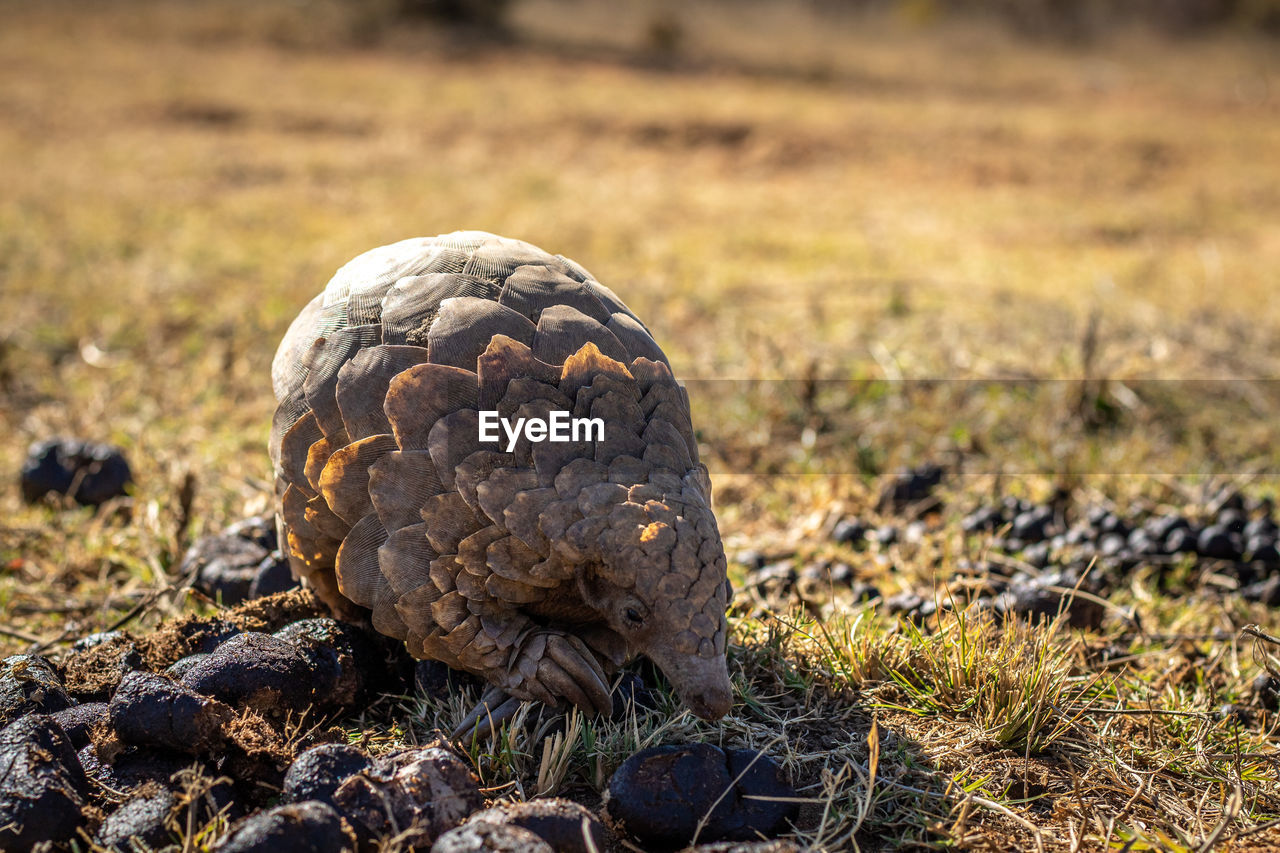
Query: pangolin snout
(712, 702)
(702, 683)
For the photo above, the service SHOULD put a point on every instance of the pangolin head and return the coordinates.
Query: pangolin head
(653, 567)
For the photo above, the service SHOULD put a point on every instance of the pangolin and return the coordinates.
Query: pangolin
(542, 566)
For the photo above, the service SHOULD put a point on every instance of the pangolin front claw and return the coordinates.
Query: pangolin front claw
(494, 708)
(564, 669)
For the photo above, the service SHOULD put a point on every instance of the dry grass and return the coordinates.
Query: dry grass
(848, 199)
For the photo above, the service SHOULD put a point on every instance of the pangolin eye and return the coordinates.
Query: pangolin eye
(633, 615)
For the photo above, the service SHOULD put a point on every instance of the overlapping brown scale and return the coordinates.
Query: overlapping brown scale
(287, 373)
(522, 516)
(663, 434)
(322, 518)
(452, 439)
(507, 364)
(634, 337)
(603, 384)
(475, 470)
(449, 520)
(497, 257)
(317, 457)
(472, 550)
(573, 269)
(325, 358)
(522, 391)
(400, 484)
(294, 448)
(405, 559)
(498, 491)
(418, 397)
(386, 619)
(362, 386)
(378, 268)
(293, 508)
(549, 458)
(344, 482)
(465, 325)
(510, 558)
(563, 329)
(359, 577)
(534, 288)
(410, 307)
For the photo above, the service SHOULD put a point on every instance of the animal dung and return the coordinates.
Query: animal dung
(151, 710)
(486, 836)
(659, 795)
(42, 786)
(417, 793)
(241, 562)
(317, 772)
(563, 824)
(29, 685)
(89, 472)
(292, 828)
(260, 671)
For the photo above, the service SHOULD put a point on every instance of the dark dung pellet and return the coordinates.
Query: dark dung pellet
(42, 785)
(292, 828)
(317, 772)
(29, 685)
(152, 710)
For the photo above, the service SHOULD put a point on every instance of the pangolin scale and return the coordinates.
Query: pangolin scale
(541, 569)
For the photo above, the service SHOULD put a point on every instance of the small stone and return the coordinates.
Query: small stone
(348, 661)
(1261, 528)
(1035, 601)
(660, 794)
(224, 566)
(42, 785)
(318, 772)
(28, 685)
(151, 710)
(1263, 550)
(89, 472)
(133, 768)
(292, 828)
(563, 824)
(182, 666)
(485, 836)
(1032, 525)
(1181, 540)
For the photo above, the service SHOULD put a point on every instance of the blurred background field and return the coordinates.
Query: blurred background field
(860, 203)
